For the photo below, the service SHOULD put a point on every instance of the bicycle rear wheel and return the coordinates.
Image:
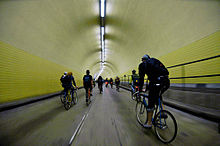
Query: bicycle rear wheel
(165, 126)
(141, 113)
(68, 102)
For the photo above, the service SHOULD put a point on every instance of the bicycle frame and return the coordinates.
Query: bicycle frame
(159, 119)
(156, 109)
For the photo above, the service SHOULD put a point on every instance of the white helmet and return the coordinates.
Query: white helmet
(65, 73)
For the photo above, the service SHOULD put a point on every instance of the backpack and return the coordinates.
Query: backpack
(99, 80)
(136, 79)
(87, 79)
(160, 67)
(65, 80)
(155, 68)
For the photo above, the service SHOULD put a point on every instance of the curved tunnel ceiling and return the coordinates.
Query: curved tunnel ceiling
(68, 32)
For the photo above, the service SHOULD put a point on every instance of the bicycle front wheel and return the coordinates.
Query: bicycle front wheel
(62, 97)
(165, 126)
(75, 98)
(141, 113)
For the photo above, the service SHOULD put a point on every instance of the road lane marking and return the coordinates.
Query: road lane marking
(82, 124)
(77, 129)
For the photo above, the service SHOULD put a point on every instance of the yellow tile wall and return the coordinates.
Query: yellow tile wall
(23, 75)
(206, 47)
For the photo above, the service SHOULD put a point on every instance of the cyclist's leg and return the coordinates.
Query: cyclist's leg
(89, 93)
(86, 93)
(91, 90)
(65, 92)
(165, 85)
(153, 95)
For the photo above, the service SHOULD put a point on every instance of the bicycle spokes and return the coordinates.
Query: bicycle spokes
(165, 126)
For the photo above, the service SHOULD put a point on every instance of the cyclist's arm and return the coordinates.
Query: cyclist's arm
(141, 75)
(74, 83)
(83, 82)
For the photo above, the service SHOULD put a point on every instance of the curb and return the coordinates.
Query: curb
(22, 102)
(189, 109)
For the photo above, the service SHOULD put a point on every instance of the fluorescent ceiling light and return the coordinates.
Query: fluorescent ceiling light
(102, 8)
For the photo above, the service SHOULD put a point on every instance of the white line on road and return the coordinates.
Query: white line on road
(82, 125)
(77, 129)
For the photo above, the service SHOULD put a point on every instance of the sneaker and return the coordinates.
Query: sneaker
(147, 126)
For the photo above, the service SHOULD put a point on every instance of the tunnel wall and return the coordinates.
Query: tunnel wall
(208, 46)
(195, 97)
(23, 75)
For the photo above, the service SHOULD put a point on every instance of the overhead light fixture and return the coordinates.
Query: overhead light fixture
(102, 4)
(102, 8)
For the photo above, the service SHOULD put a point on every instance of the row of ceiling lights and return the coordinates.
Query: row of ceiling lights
(102, 10)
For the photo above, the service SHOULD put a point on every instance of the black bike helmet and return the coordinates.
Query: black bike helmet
(145, 57)
(133, 71)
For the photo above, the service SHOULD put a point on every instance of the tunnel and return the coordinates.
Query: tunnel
(40, 40)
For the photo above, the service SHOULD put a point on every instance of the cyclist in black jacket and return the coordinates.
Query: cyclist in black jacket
(159, 82)
(87, 83)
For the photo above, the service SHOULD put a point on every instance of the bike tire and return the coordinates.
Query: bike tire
(75, 98)
(68, 103)
(62, 97)
(165, 127)
(141, 113)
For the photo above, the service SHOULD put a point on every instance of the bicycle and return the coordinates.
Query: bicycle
(111, 83)
(88, 96)
(134, 91)
(100, 88)
(106, 84)
(164, 123)
(68, 99)
(117, 87)
(75, 97)
(62, 94)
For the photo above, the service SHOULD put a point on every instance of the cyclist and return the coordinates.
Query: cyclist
(106, 82)
(67, 82)
(135, 80)
(111, 82)
(100, 83)
(87, 83)
(94, 83)
(159, 82)
(117, 82)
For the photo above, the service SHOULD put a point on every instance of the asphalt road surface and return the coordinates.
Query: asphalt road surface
(108, 121)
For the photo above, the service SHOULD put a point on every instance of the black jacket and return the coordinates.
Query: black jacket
(153, 68)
